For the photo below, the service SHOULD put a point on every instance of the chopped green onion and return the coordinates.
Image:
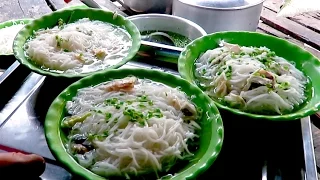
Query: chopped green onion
(59, 41)
(284, 85)
(99, 111)
(108, 116)
(112, 101)
(60, 23)
(269, 85)
(229, 72)
(271, 54)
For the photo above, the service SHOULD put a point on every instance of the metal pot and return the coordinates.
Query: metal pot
(150, 6)
(220, 15)
(164, 22)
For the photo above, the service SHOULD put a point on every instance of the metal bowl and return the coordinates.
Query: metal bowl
(164, 22)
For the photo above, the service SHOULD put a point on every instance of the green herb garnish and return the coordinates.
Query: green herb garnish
(271, 54)
(133, 114)
(229, 72)
(143, 98)
(60, 23)
(156, 113)
(111, 101)
(59, 41)
(106, 133)
(204, 71)
(108, 116)
(284, 85)
(99, 111)
(100, 137)
(69, 122)
(270, 87)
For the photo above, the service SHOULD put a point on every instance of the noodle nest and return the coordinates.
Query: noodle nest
(252, 79)
(131, 126)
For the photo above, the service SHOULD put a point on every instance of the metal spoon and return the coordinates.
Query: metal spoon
(159, 37)
(92, 4)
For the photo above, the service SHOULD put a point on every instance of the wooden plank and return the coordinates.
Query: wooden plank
(309, 20)
(316, 143)
(269, 30)
(291, 28)
(106, 3)
(274, 5)
(17, 9)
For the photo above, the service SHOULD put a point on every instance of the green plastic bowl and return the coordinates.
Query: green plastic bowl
(305, 62)
(11, 23)
(72, 15)
(211, 135)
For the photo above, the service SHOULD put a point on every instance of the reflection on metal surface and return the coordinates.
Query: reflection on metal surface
(2, 71)
(143, 65)
(30, 85)
(53, 172)
(311, 171)
(5, 74)
(24, 131)
(264, 172)
(163, 46)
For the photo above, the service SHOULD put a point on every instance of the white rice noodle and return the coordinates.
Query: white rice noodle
(133, 147)
(252, 79)
(7, 36)
(79, 47)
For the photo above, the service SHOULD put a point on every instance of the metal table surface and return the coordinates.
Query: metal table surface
(251, 150)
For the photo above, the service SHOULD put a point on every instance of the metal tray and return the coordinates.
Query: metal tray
(252, 149)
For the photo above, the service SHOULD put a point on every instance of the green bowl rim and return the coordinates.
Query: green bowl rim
(136, 42)
(10, 23)
(286, 117)
(52, 128)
